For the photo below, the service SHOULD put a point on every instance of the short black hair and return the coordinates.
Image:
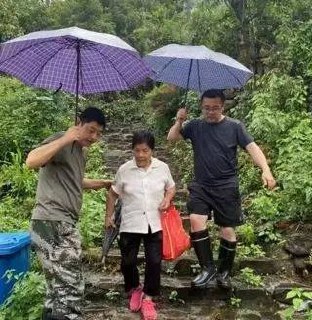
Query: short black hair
(143, 136)
(213, 93)
(92, 114)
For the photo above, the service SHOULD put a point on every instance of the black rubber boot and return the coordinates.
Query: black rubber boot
(202, 246)
(227, 252)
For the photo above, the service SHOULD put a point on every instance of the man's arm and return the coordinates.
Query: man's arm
(174, 133)
(96, 184)
(260, 160)
(40, 156)
(110, 206)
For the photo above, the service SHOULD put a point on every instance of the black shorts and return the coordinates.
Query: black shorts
(224, 202)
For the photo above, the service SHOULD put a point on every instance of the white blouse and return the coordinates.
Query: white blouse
(141, 191)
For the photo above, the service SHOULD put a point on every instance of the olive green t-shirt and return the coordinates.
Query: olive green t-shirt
(59, 190)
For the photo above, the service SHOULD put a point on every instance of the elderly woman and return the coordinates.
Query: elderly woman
(146, 188)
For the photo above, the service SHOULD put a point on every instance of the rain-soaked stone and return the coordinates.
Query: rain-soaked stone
(281, 290)
(299, 245)
(246, 314)
(265, 265)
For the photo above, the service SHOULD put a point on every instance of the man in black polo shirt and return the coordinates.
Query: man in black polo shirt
(214, 139)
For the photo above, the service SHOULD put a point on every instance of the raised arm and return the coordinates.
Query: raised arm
(260, 160)
(38, 157)
(174, 133)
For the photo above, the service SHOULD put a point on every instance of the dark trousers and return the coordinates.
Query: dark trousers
(129, 247)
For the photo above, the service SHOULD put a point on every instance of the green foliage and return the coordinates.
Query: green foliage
(300, 300)
(250, 251)
(15, 213)
(92, 214)
(25, 303)
(235, 302)
(264, 212)
(87, 14)
(165, 23)
(122, 107)
(274, 109)
(246, 234)
(113, 295)
(214, 26)
(268, 234)
(277, 104)
(248, 276)
(174, 297)
(28, 116)
(249, 176)
(9, 25)
(182, 154)
(293, 38)
(92, 218)
(264, 207)
(95, 167)
(162, 104)
(294, 167)
(20, 179)
(17, 202)
(19, 17)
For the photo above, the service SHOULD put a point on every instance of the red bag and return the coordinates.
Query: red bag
(175, 239)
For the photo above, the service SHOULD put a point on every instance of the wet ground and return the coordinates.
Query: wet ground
(175, 311)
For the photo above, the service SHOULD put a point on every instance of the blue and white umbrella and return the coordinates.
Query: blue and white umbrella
(196, 67)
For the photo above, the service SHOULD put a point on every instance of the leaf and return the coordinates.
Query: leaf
(291, 294)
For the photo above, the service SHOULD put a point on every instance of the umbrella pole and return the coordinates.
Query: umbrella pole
(77, 88)
(77, 80)
(188, 83)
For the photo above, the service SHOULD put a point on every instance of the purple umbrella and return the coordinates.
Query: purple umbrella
(74, 60)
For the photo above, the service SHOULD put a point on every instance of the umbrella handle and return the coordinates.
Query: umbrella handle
(58, 89)
(185, 98)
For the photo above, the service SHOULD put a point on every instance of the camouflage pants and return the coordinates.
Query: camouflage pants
(58, 247)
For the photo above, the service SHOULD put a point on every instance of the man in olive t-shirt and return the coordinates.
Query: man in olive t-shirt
(54, 233)
(215, 139)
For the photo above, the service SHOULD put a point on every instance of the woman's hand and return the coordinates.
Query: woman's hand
(110, 222)
(164, 205)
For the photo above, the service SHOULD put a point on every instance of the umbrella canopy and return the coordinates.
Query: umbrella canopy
(73, 59)
(196, 67)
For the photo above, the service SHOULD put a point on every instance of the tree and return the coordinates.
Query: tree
(9, 24)
(87, 14)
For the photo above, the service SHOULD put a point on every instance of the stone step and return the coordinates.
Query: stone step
(274, 288)
(187, 264)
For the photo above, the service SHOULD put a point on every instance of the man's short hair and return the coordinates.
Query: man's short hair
(213, 93)
(91, 114)
(143, 136)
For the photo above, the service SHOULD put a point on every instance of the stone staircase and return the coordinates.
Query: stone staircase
(104, 285)
(104, 290)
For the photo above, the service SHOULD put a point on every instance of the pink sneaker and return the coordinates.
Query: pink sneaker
(136, 299)
(148, 310)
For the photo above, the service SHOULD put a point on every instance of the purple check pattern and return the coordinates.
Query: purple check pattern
(52, 61)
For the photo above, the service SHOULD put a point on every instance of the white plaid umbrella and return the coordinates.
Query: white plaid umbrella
(196, 67)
